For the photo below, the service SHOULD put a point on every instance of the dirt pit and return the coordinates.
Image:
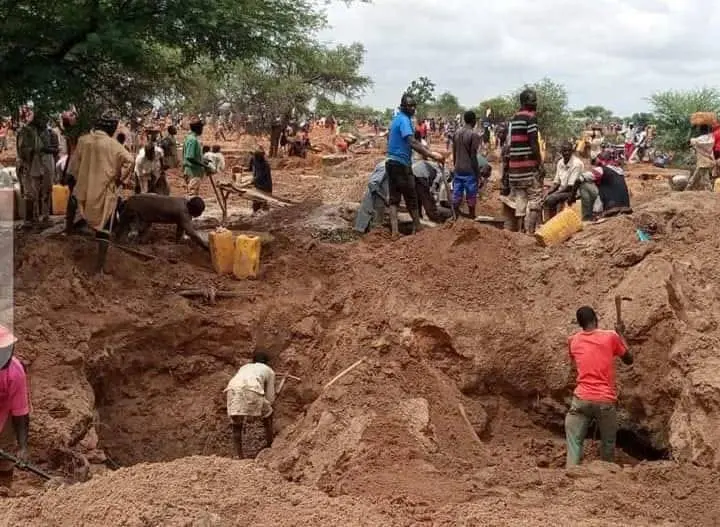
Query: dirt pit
(454, 417)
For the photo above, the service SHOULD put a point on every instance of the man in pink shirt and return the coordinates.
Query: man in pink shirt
(14, 405)
(593, 352)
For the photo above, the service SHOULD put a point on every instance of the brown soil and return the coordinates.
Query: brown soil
(459, 318)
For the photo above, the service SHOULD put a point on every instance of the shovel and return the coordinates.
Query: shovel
(24, 466)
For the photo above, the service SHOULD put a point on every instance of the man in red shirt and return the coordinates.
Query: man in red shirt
(593, 352)
(14, 405)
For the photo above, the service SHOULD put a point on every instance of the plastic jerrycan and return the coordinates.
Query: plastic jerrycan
(247, 257)
(559, 228)
(60, 196)
(222, 247)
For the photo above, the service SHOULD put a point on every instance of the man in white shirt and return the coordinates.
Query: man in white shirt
(148, 166)
(569, 170)
(251, 393)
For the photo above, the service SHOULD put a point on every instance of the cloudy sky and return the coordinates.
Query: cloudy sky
(609, 52)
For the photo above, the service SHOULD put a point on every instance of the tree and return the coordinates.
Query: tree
(422, 90)
(284, 84)
(642, 119)
(501, 109)
(672, 110)
(108, 53)
(594, 113)
(446, 105)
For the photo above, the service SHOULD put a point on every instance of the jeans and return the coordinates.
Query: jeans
(577, 422)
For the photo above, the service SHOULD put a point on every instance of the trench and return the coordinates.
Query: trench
(159, 394)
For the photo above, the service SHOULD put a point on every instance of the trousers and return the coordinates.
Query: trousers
(577, 423)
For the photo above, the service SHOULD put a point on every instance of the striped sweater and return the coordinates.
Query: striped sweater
(522, 165)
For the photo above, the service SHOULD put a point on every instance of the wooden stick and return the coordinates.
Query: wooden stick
(135, 252)
(281, 385)
(469, 424)
(290, 376)
(343, 373)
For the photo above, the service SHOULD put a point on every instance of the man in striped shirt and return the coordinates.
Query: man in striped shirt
(525, 168)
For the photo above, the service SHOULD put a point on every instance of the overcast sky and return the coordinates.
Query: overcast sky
(608, 52)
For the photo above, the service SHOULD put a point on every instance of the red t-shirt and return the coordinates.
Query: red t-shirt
(594, 354)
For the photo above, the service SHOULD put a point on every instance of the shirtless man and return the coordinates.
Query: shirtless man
(147, 209)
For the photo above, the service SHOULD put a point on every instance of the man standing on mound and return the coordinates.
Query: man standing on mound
(401, 143)
(251, 393)
(593, 351)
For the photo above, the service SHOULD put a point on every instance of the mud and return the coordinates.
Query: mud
(459, 319)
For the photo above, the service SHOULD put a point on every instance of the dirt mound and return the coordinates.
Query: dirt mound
(194, 491)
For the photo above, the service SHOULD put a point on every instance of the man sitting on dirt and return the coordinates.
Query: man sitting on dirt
(14, 406)
(146, 209)
(251, 393)
(569, 169)
(593, 352)
(401, 143)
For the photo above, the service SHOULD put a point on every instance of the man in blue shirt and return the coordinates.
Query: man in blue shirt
(401, 143)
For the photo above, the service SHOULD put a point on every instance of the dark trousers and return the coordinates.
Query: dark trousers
(401, 185)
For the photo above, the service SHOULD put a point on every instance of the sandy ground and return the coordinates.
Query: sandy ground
(459, 319)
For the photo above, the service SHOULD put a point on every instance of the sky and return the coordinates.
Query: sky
(613, 53)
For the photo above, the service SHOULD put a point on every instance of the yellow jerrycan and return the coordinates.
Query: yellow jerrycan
(60, 196)
(716, 185)
(222, 248)
(247, 257)
(559, 228)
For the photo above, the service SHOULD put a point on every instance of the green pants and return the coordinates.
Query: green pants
(577, 422)
(588, 194)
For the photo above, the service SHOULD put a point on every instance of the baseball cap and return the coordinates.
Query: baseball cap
(7, 339)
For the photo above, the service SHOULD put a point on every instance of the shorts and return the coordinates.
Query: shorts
(526, 199)
(8, 443)
(401, 184)
(241, 402)
(193, 185)
(465, 185)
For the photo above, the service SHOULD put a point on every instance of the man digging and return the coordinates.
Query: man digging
(251, 393)
(593, 352)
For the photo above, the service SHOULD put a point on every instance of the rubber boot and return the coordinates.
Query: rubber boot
(394, 221)
(103, 246)
(471, 211)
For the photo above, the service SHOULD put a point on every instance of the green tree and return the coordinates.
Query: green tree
(642, 119)
(593, 113)
(672, 110)
(284, 84)
(423, 91)
(107, 53)
(502, 108)
(446, 105)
